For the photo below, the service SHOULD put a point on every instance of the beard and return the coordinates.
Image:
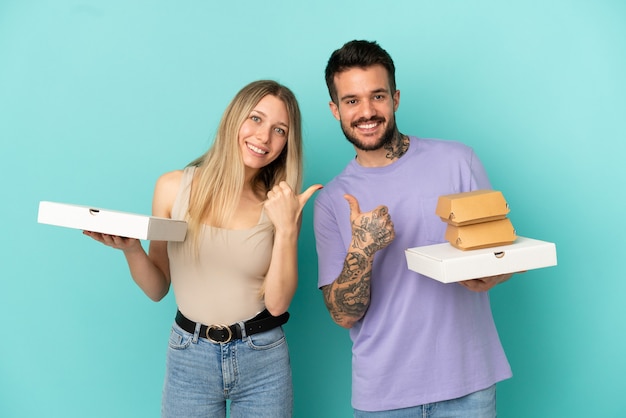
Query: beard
(384, 140)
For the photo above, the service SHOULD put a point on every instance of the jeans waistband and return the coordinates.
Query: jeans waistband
(219, 333)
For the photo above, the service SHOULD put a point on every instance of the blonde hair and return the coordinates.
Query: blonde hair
(221, 171)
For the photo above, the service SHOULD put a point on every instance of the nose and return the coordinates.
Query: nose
(367, 109)
(263, 134)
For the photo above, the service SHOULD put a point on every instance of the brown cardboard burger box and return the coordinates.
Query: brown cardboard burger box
(472, 207)
(481, 235)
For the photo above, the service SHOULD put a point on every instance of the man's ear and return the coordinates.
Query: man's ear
(396, 100)
(334, 109)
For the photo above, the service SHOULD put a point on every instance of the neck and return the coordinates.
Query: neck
(250, 187)
(390, 152)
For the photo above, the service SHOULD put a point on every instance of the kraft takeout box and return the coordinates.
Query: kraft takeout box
(472, 207)
(111, 222)
(481, 235)
(447, 264)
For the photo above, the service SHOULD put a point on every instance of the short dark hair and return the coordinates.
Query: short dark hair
(360, 54)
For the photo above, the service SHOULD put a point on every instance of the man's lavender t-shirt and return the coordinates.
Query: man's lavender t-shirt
(420, 341)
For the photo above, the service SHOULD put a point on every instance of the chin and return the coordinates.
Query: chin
(367, 145)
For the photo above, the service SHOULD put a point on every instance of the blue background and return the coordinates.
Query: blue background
(98, 98)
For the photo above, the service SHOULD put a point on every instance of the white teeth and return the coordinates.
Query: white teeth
(368, 126)
(255, 149)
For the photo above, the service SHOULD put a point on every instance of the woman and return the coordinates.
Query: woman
(236, 272)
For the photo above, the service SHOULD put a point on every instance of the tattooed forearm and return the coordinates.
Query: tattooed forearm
(348, 297)
(354, 298)
(354, 265)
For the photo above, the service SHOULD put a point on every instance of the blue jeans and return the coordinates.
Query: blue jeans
(254, 373)
(481, 404)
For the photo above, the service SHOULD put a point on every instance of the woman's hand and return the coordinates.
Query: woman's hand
(284, 207)
(114, 241)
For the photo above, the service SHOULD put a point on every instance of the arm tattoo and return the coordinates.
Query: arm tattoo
(354, 265)
(372, 234)
(349, 296)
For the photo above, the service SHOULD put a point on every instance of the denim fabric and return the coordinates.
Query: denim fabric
(481, 404)
(254, 374)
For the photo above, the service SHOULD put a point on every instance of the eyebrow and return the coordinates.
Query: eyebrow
(352, 96)
(265, 115)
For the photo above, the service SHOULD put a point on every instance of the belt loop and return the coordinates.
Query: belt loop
(196, 333)
(242, 326)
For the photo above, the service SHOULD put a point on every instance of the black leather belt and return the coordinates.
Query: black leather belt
(225, 333)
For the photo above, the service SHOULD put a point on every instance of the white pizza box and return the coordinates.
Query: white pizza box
(111, 222)
(447, 264)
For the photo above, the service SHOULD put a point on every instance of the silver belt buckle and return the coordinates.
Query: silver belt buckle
(219, 327)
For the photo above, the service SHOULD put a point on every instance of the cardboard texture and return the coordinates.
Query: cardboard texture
(481, 235)
(447, 264)
(111, 222)
(472, 207)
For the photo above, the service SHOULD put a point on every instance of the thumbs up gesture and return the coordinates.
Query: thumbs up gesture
(371, 231)
(284, 207)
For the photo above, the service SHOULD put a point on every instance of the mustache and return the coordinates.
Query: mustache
(376, 119)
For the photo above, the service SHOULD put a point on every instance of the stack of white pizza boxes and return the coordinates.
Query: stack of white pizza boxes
(476, 219)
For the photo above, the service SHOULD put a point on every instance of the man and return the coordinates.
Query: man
(419, 346)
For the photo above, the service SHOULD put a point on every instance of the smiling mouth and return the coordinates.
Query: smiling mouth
(368, 124)
(256, 149)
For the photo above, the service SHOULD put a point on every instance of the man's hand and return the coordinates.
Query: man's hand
(371, 231)
(485, 283)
